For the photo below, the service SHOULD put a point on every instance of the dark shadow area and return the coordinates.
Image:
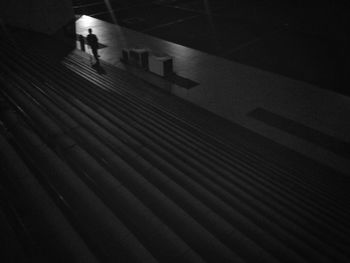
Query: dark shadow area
(297, 129)
(48, 46)
(181, 81)
(292, 54)
(99, 69)
(197, 32)
(158, 80)
(147, 16)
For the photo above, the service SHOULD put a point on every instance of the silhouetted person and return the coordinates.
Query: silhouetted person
(93, 43)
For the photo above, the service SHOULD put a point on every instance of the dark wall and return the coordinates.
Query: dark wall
(44, 16)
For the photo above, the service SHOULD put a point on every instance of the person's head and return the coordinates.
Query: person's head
(90, 30)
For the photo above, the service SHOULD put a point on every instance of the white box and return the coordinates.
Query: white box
(160, 64)
(139, 57)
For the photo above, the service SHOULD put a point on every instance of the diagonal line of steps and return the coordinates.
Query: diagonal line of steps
(262, 164)
(159, 100)
(112, 241)
(197, 236)
(119, 199)
(205, 214)
(93, 75)
(335, 204)
(188, 170)
(58, 236)
(19, 245)
(232, 237)
(293, 183)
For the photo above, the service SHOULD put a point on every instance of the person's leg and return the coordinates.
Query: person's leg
(94, 51)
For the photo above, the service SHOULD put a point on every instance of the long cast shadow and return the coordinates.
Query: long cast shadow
(99, 69)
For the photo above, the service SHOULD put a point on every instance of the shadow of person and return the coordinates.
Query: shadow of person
(99, 69)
